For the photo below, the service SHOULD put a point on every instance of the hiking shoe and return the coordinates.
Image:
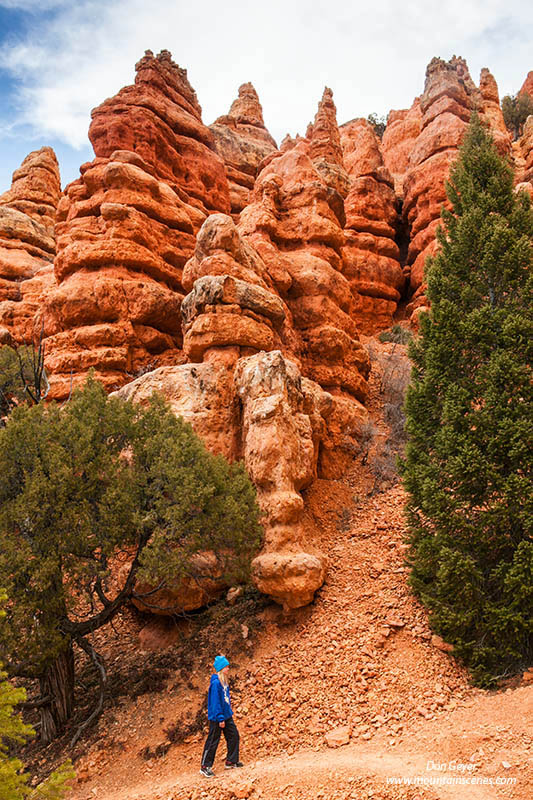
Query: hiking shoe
(233, 764)
(207, 771)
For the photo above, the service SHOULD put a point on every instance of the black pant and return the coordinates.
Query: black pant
(231, 734)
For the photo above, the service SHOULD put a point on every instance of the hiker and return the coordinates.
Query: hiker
(220, 718)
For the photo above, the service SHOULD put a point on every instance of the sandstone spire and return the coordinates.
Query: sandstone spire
(246, 108)
(126, 228)
(491, 110)
(243, 142)
(449, 97)
(527, 86)
(325, 149)
(27, 244)
(371, 258)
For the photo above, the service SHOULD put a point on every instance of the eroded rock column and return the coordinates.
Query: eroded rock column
(127, 227)
(371, 257)
(282, 423)
(243, 141)
(27, 245)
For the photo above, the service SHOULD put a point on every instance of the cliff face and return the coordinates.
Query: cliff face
(27, 245)
(235, 277)
(243, 142)
(401, 133)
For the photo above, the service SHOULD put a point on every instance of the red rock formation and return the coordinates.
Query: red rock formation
(525, 145)
(126, 229)
(243, 142)
(491, 111)
(370, 256)
(446, 104)
(160, 119)
(27, 244)
(401, 133)
(230, 306)
(247, 404)
(325, 149)
(527, 86)
(292, 225)
(282, 425)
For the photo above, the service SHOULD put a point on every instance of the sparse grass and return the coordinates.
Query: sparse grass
(397, 334)
(395, 376)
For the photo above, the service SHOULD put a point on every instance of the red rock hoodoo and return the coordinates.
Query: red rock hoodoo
(247, 400)
(371, 257)
(447, 103)
(27, 244)
(527, 86)
(243, 142)
(491, 111)
(127, 227)
(449, 97)
(294, 228)
(325, 150)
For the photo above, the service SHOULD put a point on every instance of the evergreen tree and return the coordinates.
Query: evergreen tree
(468, 464)
(13, 779)
(79, 484)
(516, 109)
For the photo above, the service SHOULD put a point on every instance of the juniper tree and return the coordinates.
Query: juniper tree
(83, 483)
(14, 780)
(468, 464)
(516, 109)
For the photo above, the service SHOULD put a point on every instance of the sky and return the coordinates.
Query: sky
(61, 58)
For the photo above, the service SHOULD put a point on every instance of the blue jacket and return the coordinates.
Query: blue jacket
(218, 701)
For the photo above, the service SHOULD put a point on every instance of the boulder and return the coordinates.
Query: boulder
(201, 585)
(338, 736)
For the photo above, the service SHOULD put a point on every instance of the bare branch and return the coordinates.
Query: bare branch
(102, 680)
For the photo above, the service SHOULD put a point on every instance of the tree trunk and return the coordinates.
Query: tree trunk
(57, 682)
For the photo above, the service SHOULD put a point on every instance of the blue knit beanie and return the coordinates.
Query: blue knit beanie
(220, 663)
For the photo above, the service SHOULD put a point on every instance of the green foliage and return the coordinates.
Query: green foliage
(516, 109)
(397, 334)
(13, 780)
(468, 463)
(101, 476)
(378, 123)
(22, 377)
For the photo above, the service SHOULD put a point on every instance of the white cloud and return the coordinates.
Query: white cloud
(373, 55)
